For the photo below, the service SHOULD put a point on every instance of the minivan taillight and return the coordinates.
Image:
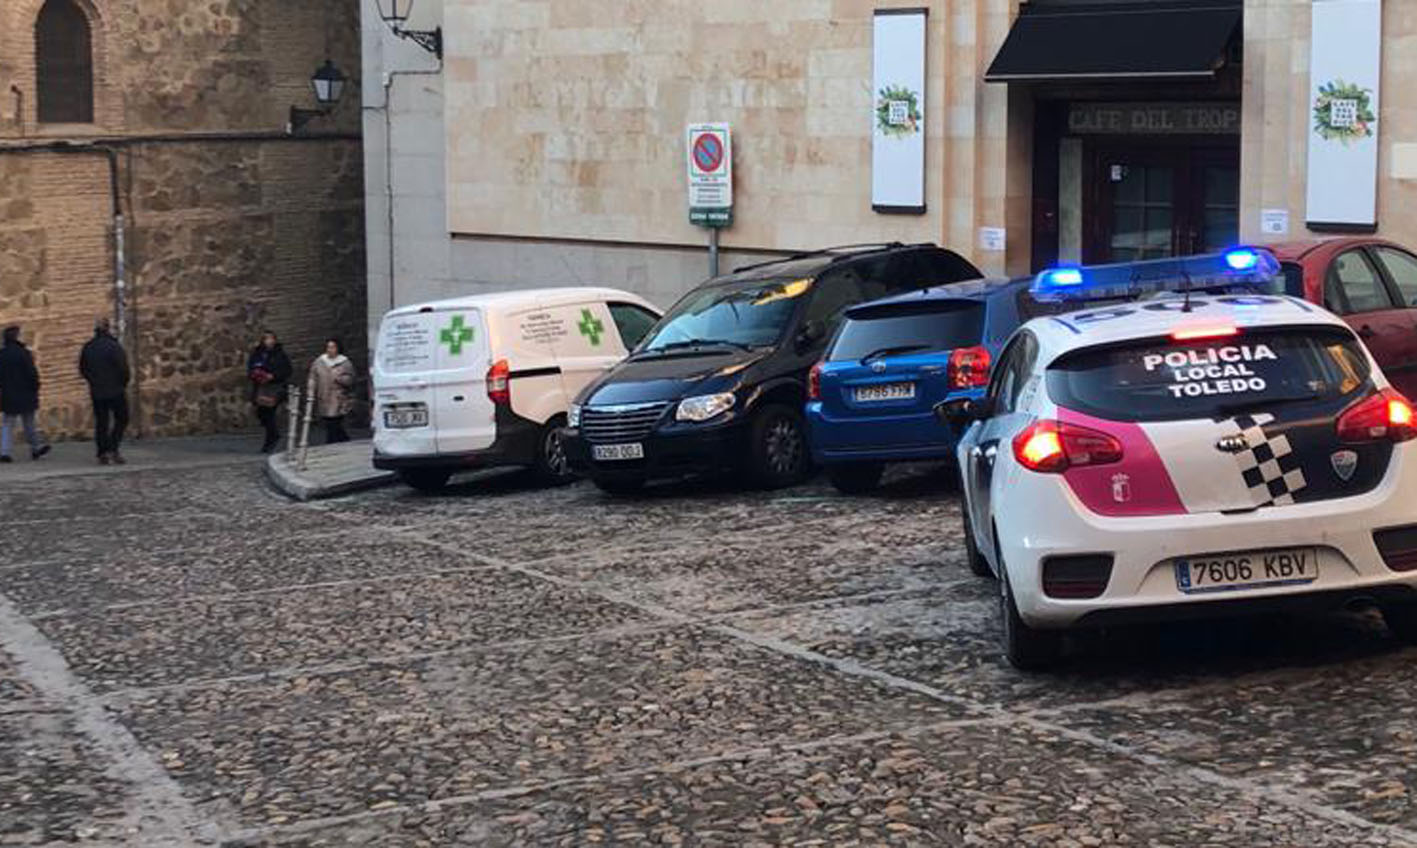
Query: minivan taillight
(969, 368)
(499, 385)
(1052, 447)
(1386, 416)
(814, 382)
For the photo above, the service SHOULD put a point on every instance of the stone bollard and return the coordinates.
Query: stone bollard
(305, 429)
(294, 392)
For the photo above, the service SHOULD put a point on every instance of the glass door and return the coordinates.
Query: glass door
(1152, 201)
(1143, 218)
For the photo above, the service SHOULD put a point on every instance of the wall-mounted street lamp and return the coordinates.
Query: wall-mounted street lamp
(328, 83)
(395, 14)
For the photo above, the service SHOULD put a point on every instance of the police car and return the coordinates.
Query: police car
(1197, 446)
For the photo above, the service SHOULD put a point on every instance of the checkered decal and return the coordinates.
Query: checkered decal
(1270, 467)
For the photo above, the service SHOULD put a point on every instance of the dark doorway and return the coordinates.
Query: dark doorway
(1154, 200)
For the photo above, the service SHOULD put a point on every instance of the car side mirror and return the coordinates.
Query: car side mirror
(964, 411)
(811, 333)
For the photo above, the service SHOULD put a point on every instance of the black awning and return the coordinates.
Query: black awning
(1121, 42)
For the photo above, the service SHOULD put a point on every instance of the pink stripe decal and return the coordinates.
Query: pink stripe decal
(1138, 485)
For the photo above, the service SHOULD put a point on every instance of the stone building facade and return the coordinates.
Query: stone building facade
(548, 148)
(173, 116)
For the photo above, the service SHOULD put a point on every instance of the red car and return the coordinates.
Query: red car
(1372, 283)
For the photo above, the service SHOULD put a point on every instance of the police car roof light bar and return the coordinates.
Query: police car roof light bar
(1240, 267)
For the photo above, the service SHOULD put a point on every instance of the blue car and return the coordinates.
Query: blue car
(871, 399)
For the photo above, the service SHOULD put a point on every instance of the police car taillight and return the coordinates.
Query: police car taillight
(814, 382)
(1386, 416)
(1052, 447)
(969, 368)
(499, 385)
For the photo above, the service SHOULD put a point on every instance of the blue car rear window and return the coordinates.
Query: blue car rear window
(914, 328)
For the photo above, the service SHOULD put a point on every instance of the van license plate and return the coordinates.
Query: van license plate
(604, 453)
(402, 419)
(1230, 572)
(887, 391)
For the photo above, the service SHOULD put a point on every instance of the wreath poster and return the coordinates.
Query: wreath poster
(898, 112)
(1346, 53)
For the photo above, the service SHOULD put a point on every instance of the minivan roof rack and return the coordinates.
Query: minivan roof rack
(865, 247)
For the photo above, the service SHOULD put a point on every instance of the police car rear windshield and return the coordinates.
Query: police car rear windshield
(916, 328)
(1165, 379)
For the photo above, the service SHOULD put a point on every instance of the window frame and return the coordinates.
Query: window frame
(1395, 291)
(613, 305)
(1332, 278)
(58, 67)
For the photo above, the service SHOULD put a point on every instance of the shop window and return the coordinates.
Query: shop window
(64, 64)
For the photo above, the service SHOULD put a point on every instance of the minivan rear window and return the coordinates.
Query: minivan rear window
(919, 328)
(1163, 379)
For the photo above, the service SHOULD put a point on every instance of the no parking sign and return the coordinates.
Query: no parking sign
(710, 149)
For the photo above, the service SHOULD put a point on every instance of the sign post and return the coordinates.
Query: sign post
(710, 155)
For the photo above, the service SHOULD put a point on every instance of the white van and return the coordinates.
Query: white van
(485, 380)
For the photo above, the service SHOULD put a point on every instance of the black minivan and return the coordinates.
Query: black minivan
(718, 385)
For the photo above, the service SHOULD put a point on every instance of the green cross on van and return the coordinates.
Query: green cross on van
(455, 335)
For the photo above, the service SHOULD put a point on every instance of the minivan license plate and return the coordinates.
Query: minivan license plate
(887, 391)
(402, 419)
(1229, 572)
(634, 450)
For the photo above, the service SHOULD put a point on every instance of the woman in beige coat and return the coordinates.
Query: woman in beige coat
(332, 385)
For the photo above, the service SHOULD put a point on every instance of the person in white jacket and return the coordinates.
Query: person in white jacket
(331, 382)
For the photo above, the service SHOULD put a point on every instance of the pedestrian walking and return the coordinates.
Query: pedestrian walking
(19, 395)
(104, 366)
(268, 369)
(331, 383)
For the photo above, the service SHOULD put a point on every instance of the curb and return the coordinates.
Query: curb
(296, 486)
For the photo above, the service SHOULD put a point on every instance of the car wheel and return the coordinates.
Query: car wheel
(552, 466)
(1027, 648)
(620, 487)
(1402, 621)
(977, 563)
(426, 479)
(779, 448)
(855, 478)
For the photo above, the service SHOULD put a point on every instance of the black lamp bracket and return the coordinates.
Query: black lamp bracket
(429, 39)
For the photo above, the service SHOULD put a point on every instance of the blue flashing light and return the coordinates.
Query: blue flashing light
(1242, 268)
(1060, 277)
(1242, 259)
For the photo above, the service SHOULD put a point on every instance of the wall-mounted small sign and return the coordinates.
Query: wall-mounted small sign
(1274, 222)
(1154, 119)
(993, 238)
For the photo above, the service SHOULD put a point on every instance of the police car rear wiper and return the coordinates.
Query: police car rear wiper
(887, 351)
(1242, 406)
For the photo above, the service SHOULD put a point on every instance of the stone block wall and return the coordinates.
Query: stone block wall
(231, 226)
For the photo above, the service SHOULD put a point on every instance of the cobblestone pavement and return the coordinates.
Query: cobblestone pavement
(185, 659)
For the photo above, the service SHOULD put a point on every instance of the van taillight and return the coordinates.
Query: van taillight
(969, 368)
(814, 382)
(499, 386)
(1052, 447)
(1386, 416)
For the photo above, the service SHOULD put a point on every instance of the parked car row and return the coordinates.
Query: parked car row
(1140, 441)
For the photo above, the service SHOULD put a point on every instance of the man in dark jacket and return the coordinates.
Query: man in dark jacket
(19, 395)
(105, 366)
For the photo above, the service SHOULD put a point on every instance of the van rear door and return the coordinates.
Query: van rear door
(404, 416)
(465, 416)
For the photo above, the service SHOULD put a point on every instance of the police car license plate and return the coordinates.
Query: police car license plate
(1230, 572)
(886, 391)
(402, 419)
(634, 450)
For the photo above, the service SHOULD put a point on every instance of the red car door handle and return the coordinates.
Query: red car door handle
(1366, 332)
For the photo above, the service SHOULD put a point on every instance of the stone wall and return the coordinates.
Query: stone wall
(232, 227)
(566, 119)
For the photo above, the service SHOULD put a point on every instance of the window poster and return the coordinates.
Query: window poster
(1346, 53)
(898, 112)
